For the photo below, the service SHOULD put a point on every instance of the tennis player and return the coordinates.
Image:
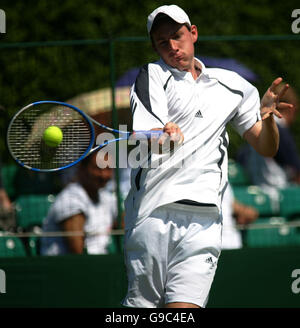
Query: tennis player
(173, 222)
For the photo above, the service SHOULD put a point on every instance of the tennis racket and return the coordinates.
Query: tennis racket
(26, 130)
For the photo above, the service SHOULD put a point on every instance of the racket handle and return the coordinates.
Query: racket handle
(148, 133)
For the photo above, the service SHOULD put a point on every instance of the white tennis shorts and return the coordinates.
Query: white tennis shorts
(172, 256)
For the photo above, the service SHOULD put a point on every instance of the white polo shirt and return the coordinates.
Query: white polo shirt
(197, 170)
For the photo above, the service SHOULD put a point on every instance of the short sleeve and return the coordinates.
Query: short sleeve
(148, 100)
(248, 111)
(70, 203)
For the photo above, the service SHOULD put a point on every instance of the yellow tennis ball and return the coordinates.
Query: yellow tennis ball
(53, 136)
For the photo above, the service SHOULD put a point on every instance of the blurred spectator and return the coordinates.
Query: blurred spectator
(272, 174)
(86, 207)
(234, 213)
(7, 218)
(5, 202)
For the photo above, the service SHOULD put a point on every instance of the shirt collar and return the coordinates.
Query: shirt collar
(203, 68)
(184, 74)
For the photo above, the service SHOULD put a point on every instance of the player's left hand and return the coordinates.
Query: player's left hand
(270, 102)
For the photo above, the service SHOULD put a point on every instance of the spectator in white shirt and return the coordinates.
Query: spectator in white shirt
(83, 207)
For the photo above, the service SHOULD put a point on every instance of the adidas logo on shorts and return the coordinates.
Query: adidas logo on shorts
(198, 114)
(209, 260)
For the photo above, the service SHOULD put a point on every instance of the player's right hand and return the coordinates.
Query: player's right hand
(170, 139)
(173, 132)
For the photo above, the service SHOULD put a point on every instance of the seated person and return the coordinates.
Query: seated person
(234, 213)
(85, 207)
(7, 219)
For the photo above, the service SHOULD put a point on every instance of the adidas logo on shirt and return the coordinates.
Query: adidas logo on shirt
(198, 114)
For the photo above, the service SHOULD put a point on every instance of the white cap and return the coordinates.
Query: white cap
(173, 11)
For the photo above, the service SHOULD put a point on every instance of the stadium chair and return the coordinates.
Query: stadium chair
(237, 175)
(255, 197)
(290, 202)
(31, 210)
(274, 232)
(116, 245)
(33, 246)
(11, 247)
(113, 246)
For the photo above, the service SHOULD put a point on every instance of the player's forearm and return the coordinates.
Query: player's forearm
(264, 137)
(268, 140)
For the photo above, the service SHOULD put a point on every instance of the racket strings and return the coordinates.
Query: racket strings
(25, 137)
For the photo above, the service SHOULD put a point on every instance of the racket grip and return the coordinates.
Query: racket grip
(148, 134)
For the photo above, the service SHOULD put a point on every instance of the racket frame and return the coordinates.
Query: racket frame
(59, 103)
(90, 121)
